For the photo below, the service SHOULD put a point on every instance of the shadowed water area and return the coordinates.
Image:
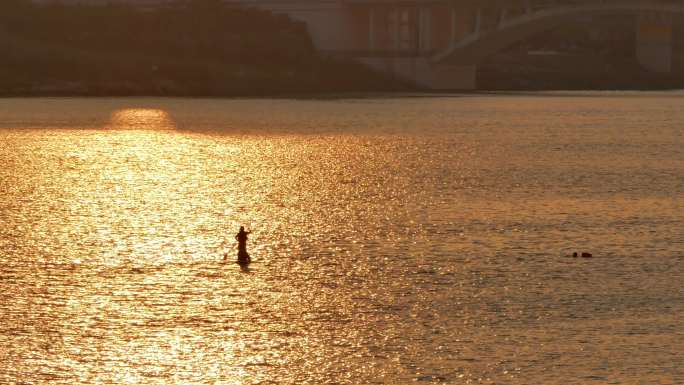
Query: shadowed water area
(395, 240)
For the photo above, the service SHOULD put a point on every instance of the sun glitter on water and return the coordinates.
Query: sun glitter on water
(141, 119)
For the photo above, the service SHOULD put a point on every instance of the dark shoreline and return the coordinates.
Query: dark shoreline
(332, 96)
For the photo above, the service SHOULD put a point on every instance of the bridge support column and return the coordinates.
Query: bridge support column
(654, 41)
(478, 21)
(502, 17)
(371, 29)
(424, 29)
(453, 30)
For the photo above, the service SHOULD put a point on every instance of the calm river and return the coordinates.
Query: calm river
(395, 240)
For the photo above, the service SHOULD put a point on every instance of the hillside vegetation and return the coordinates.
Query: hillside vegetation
(202, 47)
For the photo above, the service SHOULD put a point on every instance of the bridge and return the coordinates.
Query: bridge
(437, 44)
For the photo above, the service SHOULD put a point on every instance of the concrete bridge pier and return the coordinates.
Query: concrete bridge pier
(654, 41)
(402, 39)
(397, 38)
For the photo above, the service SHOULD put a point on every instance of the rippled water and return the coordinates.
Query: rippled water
(395, 240)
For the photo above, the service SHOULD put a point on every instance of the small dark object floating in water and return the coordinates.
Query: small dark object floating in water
(586, 255)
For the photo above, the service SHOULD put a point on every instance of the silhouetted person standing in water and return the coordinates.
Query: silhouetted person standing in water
(243, 256)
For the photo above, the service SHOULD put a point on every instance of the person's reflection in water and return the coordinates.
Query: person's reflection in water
(243, 256)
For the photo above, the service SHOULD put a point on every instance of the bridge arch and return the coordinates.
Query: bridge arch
(476, 46)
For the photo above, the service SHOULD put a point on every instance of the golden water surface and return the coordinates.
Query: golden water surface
(395, 241)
